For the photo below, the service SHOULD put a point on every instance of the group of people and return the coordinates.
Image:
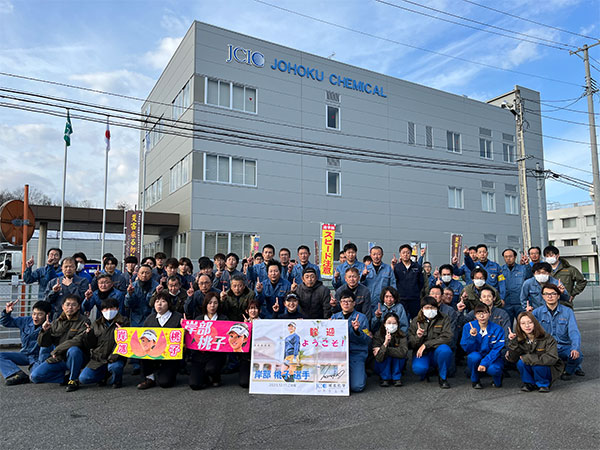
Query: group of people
(518, 315)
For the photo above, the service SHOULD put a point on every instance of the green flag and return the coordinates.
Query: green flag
(68, 130)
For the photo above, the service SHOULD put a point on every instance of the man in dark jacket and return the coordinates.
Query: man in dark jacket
(234, 301)
(65, 285)
(177, 296)
(361, 293)
(66, 355)
(568, 275)
(100, 341)
(409, 281)
(312, 295)
(43, 275)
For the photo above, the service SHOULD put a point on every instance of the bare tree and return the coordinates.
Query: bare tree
(123, 205)
(36, 197)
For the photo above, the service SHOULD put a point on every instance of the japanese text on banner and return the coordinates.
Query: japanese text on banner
(327, 244)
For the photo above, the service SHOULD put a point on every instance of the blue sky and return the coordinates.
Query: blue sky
(122, 47)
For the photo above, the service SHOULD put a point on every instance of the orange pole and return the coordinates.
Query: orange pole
(24, 246)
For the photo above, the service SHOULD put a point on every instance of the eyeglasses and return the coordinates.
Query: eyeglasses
(346, 301)
(550, 294)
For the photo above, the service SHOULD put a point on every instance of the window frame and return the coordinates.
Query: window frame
(230, 170)
(453, 149)
(462, 197)
(490, 149)
(339, 117)
(231, 85)
(339, 183)
(487, 194)
(516, 200)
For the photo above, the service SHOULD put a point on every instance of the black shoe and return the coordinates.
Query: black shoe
(544, 389)
(565, 376)
(72, 385)
(528, 387)
(117, 385)
(197, 387)
(477, 385)
(443, 383)
(146, 384)
(384, 383)
(17, 378)
(398, 383)
(580, 373)
(136, 371)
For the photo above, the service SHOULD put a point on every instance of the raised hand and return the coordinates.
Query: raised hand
(355, 323)
(466, 250)
(473, 330)
(511, 335)
(276, 305)
(378, 313)
(524, 259)
(332, 300)
(336, 274)
(223, 293)
(394, 261)
(529, 307)
(29, 262)
(294, 285)
(460, 306)
(423, 250)
(159, 288)
(88, 294)
(130, 288)
(259, 285)
(47, 324)
(87, 328)
(190, 291)
(10, 306)
(454, 260)
(388, 338)
(56, 287)
(420, 331)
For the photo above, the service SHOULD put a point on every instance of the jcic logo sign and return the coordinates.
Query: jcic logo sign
(245, 56)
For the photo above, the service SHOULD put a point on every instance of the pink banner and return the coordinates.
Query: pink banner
(217, 335)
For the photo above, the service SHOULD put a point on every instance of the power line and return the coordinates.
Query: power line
(529, 20)
(544, 160)
(364, 33)
(477, 22)
(531, 111)
(572, 141)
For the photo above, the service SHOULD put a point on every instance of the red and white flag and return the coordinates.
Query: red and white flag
(107, 137)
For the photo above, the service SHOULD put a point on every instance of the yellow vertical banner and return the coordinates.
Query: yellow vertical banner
(327, 241)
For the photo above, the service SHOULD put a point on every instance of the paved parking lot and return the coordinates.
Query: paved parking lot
(418, 415)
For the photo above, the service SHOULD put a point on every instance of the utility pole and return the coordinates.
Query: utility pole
(539, 175)
(593, 144)
(521, 159)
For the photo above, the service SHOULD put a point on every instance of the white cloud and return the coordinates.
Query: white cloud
(118, 81)
(6, 7)
(175, 24)
(160, 57)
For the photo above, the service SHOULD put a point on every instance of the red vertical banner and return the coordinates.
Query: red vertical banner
(133, 234)
(327, 241)
(456, 246)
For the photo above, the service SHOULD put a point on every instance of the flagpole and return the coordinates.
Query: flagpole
(64, 184)
(105, 194)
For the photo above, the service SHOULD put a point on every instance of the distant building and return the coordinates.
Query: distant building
(572, 229)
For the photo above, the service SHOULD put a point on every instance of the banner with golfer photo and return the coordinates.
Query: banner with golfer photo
(300, 357)
(217, 335)
(149, 343)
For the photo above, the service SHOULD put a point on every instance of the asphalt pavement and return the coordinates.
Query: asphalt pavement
(418, 415)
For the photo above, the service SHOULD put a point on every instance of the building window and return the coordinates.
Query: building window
(182, 101)
(551, 225)
(334, 183)
(455, 198)
(488, 201)
(225, 242)
(181, 245)
(155, 134)
(230, 95)
(508, 153)
(590, 221)
(511, 204)
(153, 193)
(411, 133)
(485, 148)
(333, 117)
(570, 242)
(180, 173)
(453, 141)
(229, 170)
(429, 137)
(569, 222)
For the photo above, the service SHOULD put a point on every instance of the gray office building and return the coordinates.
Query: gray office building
(246, 137)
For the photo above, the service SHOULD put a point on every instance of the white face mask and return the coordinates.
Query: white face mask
(551, 260)
(109, 314)
(430, 313)
(80, 267)
(446, 278)
(478, 282)
(391, 327)
(541, 277)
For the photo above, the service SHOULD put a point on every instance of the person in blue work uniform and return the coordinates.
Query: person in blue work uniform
(137, 302)
(81, 260)
(390, 349)
(495, 277)
(446, 281)
(535, 353)
(377, 275)
(260, 270)
(497, 315)
(463, 271)
(531, 292)
(359, 339)
(350, 250)
(110, 268)
(223, 278)
(67, 284)
(303, 263)
(29, 355)
(515, 275)
(105, 290)
(483, 342)
(276, 287)
(130, 273)
(409, 281)
(193, 304)
(158, 272)
(430, 336)
(362, 295)
(291, 352)
(535, 254)
(43, 275)
(389, 302)
(186, 272)
(289, 310)
(559, 321)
